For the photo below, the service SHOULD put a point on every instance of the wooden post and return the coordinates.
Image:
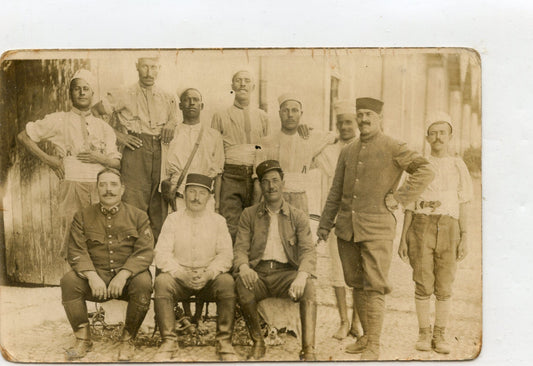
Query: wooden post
(467, 112)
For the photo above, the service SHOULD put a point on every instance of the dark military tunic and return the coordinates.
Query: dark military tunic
(107, 241)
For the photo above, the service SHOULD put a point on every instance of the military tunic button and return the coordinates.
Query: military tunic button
(109, 217)
(110, 252)
(111, 261)
(108, 225)
(356, 180)
(354, 196)
(359, 162)
(110, 242)
(364, 146)
(109, 236)
(112, 270)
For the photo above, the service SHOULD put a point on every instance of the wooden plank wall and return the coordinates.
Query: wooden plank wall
(32, 236)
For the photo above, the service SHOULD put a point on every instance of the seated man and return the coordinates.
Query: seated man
(110, 249)
(274, 256)
(194, 254)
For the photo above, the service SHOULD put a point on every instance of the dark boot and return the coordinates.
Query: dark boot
(375, 314)
(340, 295)
(135, 314)
(76, 311)
(308, 310)
(225, 320)
(359, 298)
(166, 321)
(251, 317)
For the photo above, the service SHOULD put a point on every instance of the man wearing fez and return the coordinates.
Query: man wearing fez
(147, 117)
(274, 256)
(208, 158)
(110, 249)
(241, 127)
(435, 235)
(84, 145)
(294, 153)
(327, 161)
(194, 254)
(362, 199)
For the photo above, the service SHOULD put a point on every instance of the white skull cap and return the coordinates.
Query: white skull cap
(289, 96)
(345, 106)
(436, 117)
(85, 75)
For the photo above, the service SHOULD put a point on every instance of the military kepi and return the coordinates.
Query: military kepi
(267, 166)
(199, 180)
(375, 105)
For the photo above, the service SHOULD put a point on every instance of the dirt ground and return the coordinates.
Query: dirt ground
(34, 328)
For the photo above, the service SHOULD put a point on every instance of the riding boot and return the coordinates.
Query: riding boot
(375, 315)
(225, 320)
(135, 314)
(308, 311)
(356, 329)
(360, 301)
(76, 311)
(166, 322)
(251, 317)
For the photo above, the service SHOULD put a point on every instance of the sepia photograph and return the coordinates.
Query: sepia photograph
(265, 204)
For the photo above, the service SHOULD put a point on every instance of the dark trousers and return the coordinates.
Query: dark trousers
(236, 193)
(366, 264)
(76, 290)
(273, 282)
(141, 174)
(220, 288)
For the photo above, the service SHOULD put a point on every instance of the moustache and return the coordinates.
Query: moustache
(110, 195)
(195, 201)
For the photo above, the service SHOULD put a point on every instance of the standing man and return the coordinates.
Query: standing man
(84, 145)
(274, 256)
(435, 234)
(242, 128)
(110, 249)
(208, 158)
(294, 153)
(327, 161)
(364, 194)
(194, 254)
(147, 116)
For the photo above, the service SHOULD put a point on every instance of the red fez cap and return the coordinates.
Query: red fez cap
(200, 180)
(375, 105)
(267, 166)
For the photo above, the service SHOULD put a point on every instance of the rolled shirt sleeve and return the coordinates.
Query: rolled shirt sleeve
(44, 129)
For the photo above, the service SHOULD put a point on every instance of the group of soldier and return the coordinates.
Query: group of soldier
(222, 212)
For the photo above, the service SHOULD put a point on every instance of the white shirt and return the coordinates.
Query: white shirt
(295, 155)
(451, 187)
(274, 248)
(65, 131)
(208, 160)
(187, 242)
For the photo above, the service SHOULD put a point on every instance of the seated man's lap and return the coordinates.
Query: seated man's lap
(74, 287)
(220, 287)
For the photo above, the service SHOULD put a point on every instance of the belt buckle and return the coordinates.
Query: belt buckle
(271, 264)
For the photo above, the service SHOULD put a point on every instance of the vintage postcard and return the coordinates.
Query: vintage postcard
(183, 205)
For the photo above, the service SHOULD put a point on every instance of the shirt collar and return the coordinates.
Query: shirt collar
(236, 104)
(110, 211)
(263, 209)
(81, 113)
(154, 89)
(195, 127)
